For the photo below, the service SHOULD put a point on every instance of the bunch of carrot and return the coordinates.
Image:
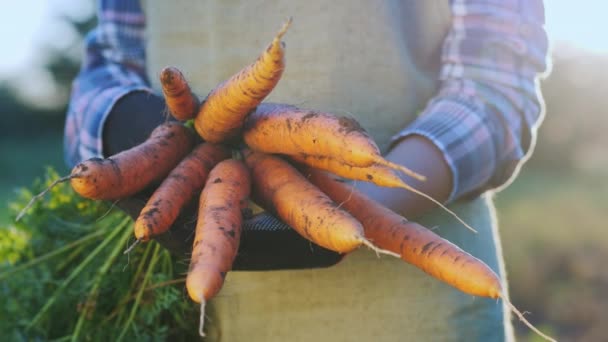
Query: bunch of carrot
(284, 167)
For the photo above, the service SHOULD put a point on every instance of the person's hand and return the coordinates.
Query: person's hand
(266, 242)
(422, 156)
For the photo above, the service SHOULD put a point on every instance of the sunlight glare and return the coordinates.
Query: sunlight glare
(581, 24)
(20, 22)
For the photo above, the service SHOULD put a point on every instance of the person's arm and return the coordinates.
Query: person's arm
(113, 108)
(477, 131)
(113, 71)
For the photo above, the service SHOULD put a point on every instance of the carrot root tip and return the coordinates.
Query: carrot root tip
(379, 250)
(521, 317)
(40, 195)
(130, 248)
(284, 28)
(430, 198)
(403, 169)
(201, 324)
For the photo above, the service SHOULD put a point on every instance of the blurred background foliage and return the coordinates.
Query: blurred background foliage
(552, 217)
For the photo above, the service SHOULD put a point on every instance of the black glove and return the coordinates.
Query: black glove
(266, 242)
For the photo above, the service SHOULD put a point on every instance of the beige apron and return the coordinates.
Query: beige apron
(369, 59)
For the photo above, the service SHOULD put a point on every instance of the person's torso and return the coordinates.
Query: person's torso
(377, 61)
(374, 60)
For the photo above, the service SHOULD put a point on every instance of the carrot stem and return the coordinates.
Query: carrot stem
(51, 254)
(127, 297)
(67, 260)
(151, 266)
(101, 273)
(76, 272)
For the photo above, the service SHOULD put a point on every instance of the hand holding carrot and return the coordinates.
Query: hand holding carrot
(326, 212)
(268, 243)
(420, 154)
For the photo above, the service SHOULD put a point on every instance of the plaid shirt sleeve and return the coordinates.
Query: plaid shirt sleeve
(114, 65)
(486, 113)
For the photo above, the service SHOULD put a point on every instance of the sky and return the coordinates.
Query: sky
(28, 29)
(27, 26)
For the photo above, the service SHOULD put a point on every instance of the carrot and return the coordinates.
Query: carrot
(218, 230)
(130, 171)
(180, 186)
(278, 185)
(221, 116)
(416, 244)
(288, 130)
(181, 102)
(375, 173)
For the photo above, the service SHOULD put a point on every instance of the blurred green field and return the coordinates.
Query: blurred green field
(552, 226)
(24, 160)
(555, 244)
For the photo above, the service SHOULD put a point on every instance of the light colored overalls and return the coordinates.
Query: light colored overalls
(376, 61)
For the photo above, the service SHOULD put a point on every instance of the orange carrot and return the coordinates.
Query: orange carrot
(180, 100)
(218, 230)
(279, 187)
(180, 186)
(288, 130)
(221, 116)
(416, 244)
(130, 171)
(377, 174)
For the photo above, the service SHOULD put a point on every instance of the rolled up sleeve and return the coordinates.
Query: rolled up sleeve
(113, 66)
(486, 114)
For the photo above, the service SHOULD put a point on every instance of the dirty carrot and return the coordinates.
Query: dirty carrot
(181, 185)
(288, 130)
(377, 174)
(218, 230)
(181, 103)
(221, 116)
(416, 244)
(280, 188)
(129, 171)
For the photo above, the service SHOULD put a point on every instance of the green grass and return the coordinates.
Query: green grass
(556, 208)
(64, 275)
